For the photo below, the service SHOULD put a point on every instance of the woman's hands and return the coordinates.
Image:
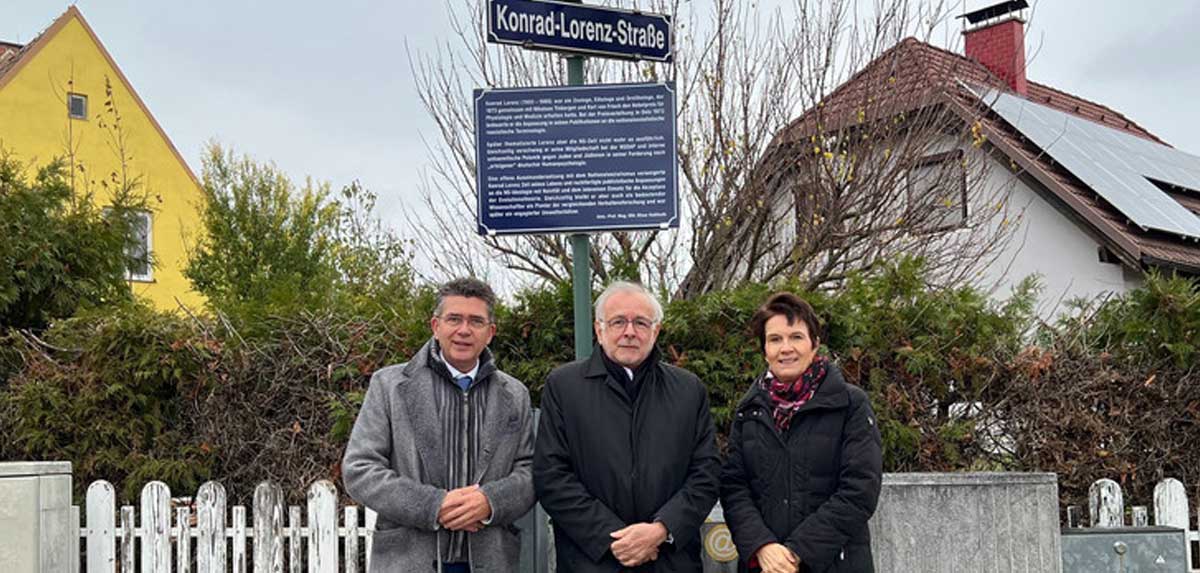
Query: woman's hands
(775, 558)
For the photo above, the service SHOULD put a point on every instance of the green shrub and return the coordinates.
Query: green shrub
(130, 395)
(107, 391)
(1157, 324)
(59, 252)
(271, 247)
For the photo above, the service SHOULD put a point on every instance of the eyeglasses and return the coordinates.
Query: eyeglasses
(457, 320)
(639, 324)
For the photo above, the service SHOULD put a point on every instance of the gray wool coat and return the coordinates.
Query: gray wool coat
(395, 448)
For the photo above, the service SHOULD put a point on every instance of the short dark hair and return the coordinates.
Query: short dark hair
(469, 287)
(791, 306)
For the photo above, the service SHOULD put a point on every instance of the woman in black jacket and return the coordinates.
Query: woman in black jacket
(804, 467)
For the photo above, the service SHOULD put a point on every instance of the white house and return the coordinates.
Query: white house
(1101, 200)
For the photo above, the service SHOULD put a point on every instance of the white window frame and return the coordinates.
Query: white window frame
(148, 277)
(953, 157)
(72, 96)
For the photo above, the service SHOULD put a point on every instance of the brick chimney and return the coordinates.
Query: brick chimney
(999, 44)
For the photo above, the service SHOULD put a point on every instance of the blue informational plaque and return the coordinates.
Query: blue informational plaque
(579, 158)
(569, 27)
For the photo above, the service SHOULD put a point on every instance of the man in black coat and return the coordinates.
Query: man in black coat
(626, 463)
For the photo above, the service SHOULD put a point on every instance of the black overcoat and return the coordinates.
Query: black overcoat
(812, 488)
(602, 462)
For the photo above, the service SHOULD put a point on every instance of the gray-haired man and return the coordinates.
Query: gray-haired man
(442, 447)
(626, 463)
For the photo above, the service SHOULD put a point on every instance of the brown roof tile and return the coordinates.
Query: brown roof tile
(11, 55)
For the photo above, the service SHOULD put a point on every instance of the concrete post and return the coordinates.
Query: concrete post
(1004, 522)
(945, 523)
(35, 517)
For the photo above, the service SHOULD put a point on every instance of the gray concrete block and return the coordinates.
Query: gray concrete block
(984, 522)
(36, 527)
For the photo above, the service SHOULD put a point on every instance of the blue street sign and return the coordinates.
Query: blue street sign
(576, 158)
(592, 30)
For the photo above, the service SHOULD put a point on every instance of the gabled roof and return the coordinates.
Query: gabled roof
(14, 57)
(916, 74)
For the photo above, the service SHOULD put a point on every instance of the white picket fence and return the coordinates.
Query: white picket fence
(1106, 508)
(147, 540)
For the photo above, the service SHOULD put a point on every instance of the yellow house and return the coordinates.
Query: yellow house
(55, 96)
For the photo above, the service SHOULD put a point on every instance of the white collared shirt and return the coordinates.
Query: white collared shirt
(454, 373)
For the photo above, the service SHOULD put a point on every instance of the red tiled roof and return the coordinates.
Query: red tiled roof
(920, 74)
(12, 54)
(914, 75)
(9, 54)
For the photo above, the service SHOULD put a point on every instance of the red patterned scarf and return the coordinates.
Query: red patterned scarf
(787, 398)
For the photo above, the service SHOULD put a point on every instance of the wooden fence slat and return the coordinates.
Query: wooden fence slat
(322, 528)
(372, 518)
(239, 539)
(74, 535)
(1074, 517)
(101, 517)
(1106, 504)
(1171, 504)
(294, 539)
(210, 526)
(1140, 516)
(156, 528)
(351, 521)
(183, 545)
(128, 534)
(268, 528)
(1171, 508)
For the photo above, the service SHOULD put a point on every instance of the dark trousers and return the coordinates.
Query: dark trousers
(456, 568)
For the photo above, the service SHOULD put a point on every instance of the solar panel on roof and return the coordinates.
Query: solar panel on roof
(1115, 164)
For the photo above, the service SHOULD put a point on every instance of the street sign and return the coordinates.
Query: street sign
(591, 30)
(576, 158)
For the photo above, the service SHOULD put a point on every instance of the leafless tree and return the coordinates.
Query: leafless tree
(444, 224)
(766, 195)
(885, 159)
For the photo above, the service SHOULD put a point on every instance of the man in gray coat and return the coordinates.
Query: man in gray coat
(443, 446)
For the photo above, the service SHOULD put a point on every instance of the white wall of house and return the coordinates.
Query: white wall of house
(1038, 239)
(1046, 243)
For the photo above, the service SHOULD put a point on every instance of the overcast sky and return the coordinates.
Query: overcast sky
(324, 88)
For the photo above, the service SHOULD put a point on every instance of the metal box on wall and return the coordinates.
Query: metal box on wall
(1124, 550)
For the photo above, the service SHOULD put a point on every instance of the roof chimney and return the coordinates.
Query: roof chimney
(996, 38)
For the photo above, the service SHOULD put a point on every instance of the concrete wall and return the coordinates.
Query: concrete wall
(35, 517)
(946, 523)
(934, 523)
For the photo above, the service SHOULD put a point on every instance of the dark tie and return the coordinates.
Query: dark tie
(463, 382)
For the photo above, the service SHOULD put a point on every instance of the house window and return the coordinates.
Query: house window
(139, 249)
(138, 266)
(77, 106)
(937, 191)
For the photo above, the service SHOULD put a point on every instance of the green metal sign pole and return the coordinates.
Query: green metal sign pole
(581, 272)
